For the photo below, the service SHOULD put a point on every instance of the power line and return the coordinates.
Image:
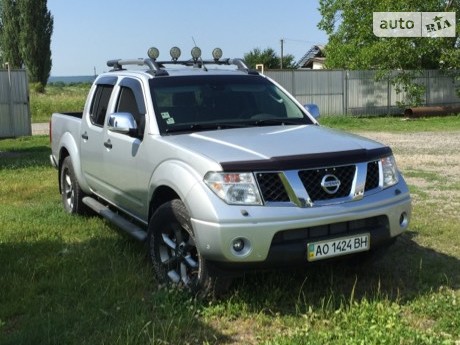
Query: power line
(299, 41)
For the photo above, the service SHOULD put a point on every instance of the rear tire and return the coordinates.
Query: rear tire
(71, 193)
(175, 258)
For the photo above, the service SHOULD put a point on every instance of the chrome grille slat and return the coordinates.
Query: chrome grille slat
(312, 182)
(276, 186)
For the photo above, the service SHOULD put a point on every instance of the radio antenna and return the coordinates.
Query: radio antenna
(201, 58)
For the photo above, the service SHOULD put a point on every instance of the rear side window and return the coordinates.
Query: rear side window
(100, 103)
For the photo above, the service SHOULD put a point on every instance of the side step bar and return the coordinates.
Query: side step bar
(125, 225)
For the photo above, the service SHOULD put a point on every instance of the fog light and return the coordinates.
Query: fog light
(238, 245)
(403, 220)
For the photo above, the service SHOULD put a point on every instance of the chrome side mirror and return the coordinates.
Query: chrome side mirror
(313, 110)
(122, 123)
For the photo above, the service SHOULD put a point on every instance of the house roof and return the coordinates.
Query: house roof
(315, 52)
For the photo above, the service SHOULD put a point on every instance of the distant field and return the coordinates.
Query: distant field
(58, 98)
(77, 280)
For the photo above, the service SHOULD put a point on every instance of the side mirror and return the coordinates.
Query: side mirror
(123, 123)
(313, 110)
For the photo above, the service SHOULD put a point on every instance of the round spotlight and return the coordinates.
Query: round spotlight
(196, 53)
(153, 53)
(175, 53)
(217, 53)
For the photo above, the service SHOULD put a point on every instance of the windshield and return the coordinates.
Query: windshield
(192, 103)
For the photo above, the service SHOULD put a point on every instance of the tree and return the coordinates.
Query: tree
(35, 39)
(9, 33)
(353, 45)
(268, 58)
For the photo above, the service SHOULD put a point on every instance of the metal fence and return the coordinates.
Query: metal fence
(15, 118)
(339, 92)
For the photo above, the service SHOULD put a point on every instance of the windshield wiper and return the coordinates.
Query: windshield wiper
(191, 127)
(278, 121)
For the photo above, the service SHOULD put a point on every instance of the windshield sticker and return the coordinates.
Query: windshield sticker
(170, 121)
(165, 115)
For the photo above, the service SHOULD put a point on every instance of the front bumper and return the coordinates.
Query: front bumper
(281, 234)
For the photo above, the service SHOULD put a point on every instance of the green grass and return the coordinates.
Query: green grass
(392, 124)
(77, 280)
(57, 99)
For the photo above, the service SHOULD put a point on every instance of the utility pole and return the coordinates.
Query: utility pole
(282, 48)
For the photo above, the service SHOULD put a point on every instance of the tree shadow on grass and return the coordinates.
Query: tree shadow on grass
(91, 292)
(37, 156)
(406, 271)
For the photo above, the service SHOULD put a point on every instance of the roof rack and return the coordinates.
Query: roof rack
(117, 65)
(157, 68)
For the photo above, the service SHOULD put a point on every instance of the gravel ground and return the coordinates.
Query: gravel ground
(40, 128)
(437, 152)
(430, 161)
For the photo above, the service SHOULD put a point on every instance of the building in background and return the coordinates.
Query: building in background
(313, 59)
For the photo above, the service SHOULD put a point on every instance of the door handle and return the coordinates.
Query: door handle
(85, 136)
(108, 144)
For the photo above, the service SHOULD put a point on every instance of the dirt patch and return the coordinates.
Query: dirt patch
(435, 152)
(430, 162)
(40, 128)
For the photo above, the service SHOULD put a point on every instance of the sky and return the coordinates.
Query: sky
(87, 33)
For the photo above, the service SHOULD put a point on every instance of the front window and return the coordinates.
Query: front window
(192, 103)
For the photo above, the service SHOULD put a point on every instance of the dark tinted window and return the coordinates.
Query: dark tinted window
(242, 99)
(99, 104)
(127, 103)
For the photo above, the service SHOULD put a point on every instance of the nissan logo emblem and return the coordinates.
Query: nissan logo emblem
(330, 184)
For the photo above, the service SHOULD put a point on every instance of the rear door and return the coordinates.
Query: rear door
(92, 134)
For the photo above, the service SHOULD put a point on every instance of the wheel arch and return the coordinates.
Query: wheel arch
(161, 195)
(173, 179)
(63, 154)
(69, 147)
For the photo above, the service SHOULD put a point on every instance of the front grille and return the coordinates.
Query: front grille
(271, 187)
(311, 180)
(273, 190)
(372, 179)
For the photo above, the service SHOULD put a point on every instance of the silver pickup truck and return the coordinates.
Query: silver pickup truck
(220, 170)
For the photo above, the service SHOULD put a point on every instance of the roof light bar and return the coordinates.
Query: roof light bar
(159, 68)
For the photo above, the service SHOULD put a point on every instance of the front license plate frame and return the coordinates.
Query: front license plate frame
(339, 246)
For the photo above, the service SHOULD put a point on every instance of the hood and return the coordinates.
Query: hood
(275, 147)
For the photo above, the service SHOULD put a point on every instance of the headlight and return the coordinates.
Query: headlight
(389, 171)
(234, 188)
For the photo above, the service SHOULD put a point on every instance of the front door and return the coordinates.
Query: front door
(124, 154)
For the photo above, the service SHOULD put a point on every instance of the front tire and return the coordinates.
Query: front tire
(175, 258)
(71, 193)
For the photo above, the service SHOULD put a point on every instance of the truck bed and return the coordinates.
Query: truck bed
(65, 127)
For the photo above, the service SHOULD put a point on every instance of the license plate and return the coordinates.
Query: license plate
(339, 246)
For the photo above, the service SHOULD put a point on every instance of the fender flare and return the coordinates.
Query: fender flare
(68, 143)
(183, 180)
